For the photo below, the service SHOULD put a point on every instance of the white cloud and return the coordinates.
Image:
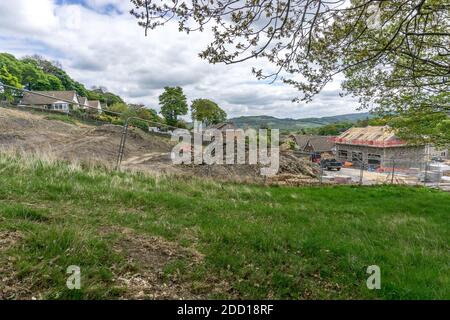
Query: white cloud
(27, 17)
(111, 50)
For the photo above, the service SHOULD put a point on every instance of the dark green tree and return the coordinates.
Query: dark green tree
(207, 111)
(37, 73)
(54, 69)
(173, 104)
(30, 76)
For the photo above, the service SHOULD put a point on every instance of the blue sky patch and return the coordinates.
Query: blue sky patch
(107, 9)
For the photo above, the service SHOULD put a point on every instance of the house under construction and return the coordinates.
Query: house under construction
(376, 146)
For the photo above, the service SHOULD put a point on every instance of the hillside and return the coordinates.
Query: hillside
(36, 73)
(294, 124)
(62, 137)
(145, 237)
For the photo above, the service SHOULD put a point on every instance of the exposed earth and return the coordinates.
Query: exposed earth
(41, 134)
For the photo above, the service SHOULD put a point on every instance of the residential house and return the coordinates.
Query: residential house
(377, 146)
(223, 126)
(51, 100)
(95, 106)
(313, 144)
(83, 102)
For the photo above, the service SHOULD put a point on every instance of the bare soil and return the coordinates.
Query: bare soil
(150, 255)
(32, 133)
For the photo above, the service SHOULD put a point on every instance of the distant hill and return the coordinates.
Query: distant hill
(295, 124)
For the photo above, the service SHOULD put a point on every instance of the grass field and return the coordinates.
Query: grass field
(218, 240)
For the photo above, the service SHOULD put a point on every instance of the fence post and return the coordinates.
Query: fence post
(393, 171)
(439, 179)
(361, 173)
(321, 173)
(426, 173)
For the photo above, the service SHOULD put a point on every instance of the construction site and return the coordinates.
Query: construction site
(374, 155)
(40, 133)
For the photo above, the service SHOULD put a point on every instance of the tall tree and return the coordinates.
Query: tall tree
(394, 53)
(207, 111)
(173, 104)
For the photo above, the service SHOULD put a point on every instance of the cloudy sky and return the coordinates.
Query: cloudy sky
(99, 43)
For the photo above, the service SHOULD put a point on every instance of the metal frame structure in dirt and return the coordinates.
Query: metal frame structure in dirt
(123, 138)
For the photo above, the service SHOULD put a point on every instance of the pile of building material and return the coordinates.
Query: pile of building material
(291, 164)
(295, 171)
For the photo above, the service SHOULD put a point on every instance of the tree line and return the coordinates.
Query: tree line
(38, 74)
(173, 104)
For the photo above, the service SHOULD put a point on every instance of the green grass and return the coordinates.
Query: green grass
(265, 242)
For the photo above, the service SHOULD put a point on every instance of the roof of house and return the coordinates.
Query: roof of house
(83, 101)
(95, 104)
(378, 136)
(222, 126)
(322, 143)
(318, 143)
(43, 97)
(300, 139)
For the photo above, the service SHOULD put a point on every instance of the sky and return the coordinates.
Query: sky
(100, 44)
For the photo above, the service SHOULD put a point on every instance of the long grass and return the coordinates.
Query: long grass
(263, 242)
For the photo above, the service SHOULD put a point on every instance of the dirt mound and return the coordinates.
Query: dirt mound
(33, 133)
(70, 140)
(20, 121)
(291, 164)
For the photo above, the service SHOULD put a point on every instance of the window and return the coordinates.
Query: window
(374, 159)
(343, 154)
(373, 156)
(60, 106)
